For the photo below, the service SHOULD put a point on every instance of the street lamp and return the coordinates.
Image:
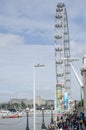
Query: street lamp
(51, 115)
(34, 100)
(43, 123)
(27, 125)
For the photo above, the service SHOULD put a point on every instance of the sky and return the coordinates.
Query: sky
(27, 38)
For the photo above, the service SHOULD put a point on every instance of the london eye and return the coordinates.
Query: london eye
(62, 50)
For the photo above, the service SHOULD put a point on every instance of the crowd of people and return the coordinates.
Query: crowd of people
(68, 122)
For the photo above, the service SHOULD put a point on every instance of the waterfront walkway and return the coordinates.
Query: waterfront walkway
(72, 122)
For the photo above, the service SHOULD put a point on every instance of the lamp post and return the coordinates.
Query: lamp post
(51, 115)
(27, 124)
(43, 123)
(34, 90)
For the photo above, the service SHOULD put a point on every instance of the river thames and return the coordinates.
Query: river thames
(20, 123)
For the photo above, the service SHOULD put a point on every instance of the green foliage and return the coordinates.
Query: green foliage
(23, 105)
(81, 103)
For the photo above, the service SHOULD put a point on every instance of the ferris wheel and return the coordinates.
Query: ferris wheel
(62, 49)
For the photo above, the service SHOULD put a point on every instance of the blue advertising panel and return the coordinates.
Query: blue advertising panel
(65, 100)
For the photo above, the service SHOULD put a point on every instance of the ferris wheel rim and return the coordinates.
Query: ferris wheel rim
(62, 37)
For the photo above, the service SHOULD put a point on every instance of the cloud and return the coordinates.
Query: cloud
(10, 39)
(27, 22)
(77, 48)
(24, 16)
(35, 20)
(16, 65)
(17, 68)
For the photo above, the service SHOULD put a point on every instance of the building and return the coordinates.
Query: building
(39, 101)
(50, 102)
(83, 73)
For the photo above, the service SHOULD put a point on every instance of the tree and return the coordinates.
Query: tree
(81, 103)
(23, 105)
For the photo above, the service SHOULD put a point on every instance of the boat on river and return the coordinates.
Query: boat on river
(11, 113)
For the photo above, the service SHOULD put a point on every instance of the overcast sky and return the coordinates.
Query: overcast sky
(27, 38)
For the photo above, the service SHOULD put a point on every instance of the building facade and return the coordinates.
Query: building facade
(83, 73)
(39, 101)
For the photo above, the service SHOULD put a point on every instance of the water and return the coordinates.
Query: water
(20, 123)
